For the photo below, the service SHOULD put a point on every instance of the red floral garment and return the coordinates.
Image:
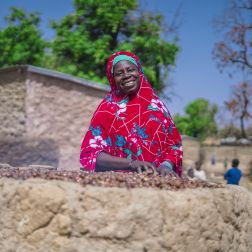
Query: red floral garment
(138, 127)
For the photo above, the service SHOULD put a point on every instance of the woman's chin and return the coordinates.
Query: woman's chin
(132, 92)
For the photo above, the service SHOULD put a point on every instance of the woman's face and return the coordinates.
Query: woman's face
(127, 77)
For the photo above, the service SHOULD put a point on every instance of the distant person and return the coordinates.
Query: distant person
(198, 172)
(225, 163)
(190, 173)
(233, 175)
(213, 159)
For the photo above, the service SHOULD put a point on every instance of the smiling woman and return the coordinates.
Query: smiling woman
(131, 130)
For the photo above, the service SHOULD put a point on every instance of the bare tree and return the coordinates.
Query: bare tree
(235, 50)
(240, 104)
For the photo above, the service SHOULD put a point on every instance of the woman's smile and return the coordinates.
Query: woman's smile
(129, 84)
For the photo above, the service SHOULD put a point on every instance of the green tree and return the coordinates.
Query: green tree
(21, 41)
(182, 123)
(97, 28)
(199, 119)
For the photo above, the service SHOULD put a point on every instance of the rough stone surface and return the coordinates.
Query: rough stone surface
(39, 215)
(12, 104)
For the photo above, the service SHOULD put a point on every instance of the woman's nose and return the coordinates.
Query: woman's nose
(126, 75)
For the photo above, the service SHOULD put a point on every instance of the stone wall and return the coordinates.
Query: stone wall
(45, 115)
(12, 103)
(39, 215)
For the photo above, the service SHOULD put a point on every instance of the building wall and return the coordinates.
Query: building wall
(191, 148)
(12, 104)
(44, 117)
(60, 111)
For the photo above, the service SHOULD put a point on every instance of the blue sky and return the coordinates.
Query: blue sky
(195, 75)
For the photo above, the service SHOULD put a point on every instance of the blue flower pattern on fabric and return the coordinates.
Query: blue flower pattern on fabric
(109, 98)
(141, 132)
(108, 141)
(120, 141)
(129, 153)
(176, 147)
(139, 152)
(96, 131)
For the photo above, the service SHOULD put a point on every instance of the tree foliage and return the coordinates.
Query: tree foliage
(21, 41)
(86, 38)
(199, 119)
(240, 104)
(235, 50)
(97, 28)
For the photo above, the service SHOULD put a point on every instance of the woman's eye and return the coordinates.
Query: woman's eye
(118, 74)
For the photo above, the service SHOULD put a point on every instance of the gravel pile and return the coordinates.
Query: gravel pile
(108, 179)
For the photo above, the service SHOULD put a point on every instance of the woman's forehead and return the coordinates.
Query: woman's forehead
(124, 64)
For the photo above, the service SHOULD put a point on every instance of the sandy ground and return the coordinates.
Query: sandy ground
(245, 181)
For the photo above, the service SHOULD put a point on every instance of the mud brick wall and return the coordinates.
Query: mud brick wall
(44, 116)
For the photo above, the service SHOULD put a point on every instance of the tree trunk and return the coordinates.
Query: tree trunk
(243, 132)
